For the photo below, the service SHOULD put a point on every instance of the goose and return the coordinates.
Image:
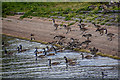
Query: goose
(83, 29)
(68, 60)
(19, 49)
(103, 75)
(74, 40)
(96, 26)
(4, 44)
(51, 54)
(60, 37)
(73, 45)
(82, 55)
(45, 53)
(49, 49)
(93, 50)
(55, 25)
(32, 36)
(39, 52)
(101, 30)
(95, 56)
(36, 52)
(60, 49)
(87, 36)
(87, 56)
(53, 63)
(43, 56)
(87, 42)
(82, 25)
(55, 50)
(71, 62)
(68, 28)
(6, 52)
(80, 20)
(110, 36)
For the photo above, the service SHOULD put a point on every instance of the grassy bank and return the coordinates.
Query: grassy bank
(79, 50)
(64, 10)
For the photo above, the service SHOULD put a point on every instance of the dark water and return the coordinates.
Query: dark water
(24, 64)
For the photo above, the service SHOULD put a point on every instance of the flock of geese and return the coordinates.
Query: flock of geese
(74, 43)
(47, 52)
(83, 28)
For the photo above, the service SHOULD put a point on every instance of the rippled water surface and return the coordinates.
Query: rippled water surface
(24, 64)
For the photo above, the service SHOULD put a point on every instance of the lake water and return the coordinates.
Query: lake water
(24, 64)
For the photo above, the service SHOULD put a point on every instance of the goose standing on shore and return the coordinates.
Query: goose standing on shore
(55, 25)
(93, 51)
(101, 30)
(110, 36)
(96, 26)
(87, 36)
(86, 42)
(32, 37)
(82, 29)
(68, 28)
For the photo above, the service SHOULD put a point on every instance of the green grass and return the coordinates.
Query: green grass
(48, 9)
(45, 8)
(81, 50)
(102, 23)
(71, 23)
(108, 24)
(105, 55)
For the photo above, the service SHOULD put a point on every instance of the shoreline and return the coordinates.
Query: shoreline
(78, 50)
(43, 31)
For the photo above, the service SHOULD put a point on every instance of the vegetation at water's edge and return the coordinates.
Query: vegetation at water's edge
(57, 45)
(64, 10)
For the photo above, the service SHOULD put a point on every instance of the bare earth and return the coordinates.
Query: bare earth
(44, 31)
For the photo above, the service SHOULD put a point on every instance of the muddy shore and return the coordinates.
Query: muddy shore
(43, 30)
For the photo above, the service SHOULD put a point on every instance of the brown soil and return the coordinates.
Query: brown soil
(44, 31)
